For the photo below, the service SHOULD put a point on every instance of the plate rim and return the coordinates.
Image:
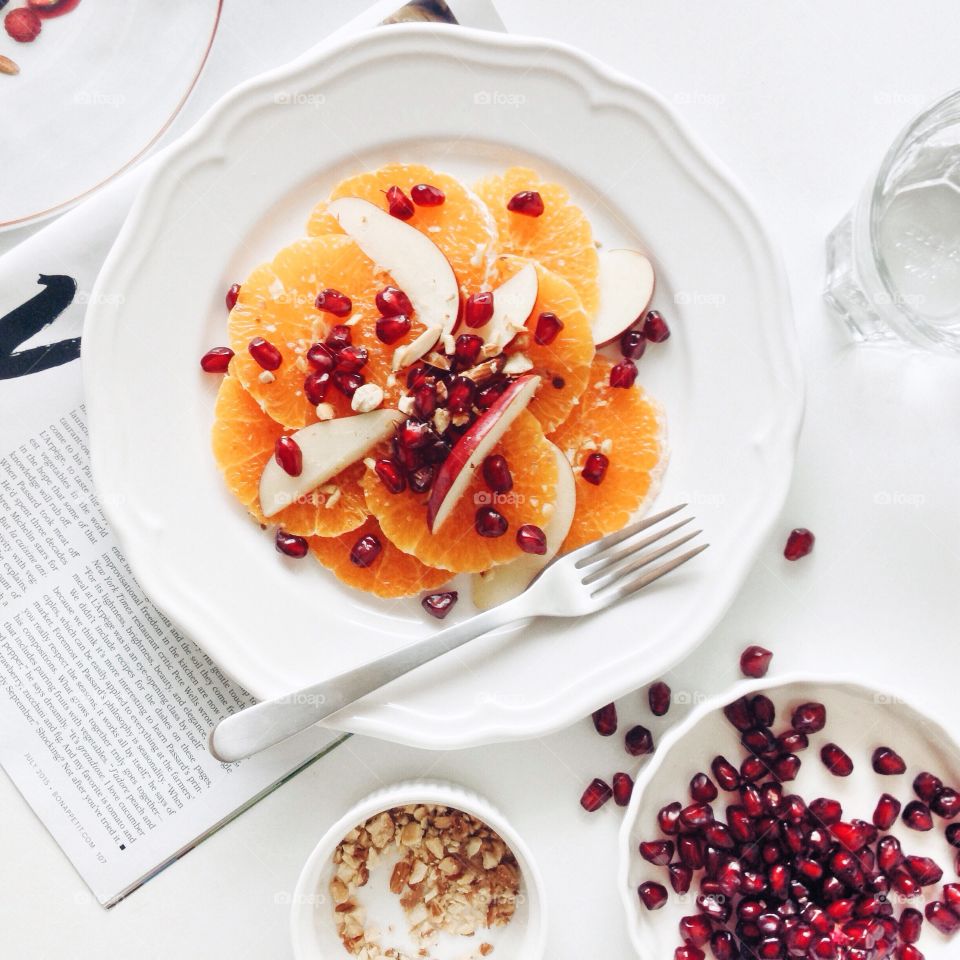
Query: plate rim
(633, 97)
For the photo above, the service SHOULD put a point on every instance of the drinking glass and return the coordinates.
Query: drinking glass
(893, 263)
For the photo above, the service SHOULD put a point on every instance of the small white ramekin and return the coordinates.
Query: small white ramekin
(312, 922)
(859, 719)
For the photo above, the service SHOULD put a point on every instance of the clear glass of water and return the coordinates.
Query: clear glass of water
(893, 263)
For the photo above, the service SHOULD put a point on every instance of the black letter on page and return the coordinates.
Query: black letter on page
(29, 319)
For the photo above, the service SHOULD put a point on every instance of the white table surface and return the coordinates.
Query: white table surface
(799, 99)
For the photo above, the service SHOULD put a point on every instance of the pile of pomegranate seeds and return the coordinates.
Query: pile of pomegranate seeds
(782, 878)
(799, 543)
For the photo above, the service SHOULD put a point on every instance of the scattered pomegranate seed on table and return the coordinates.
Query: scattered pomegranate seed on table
(399, 204)
(365, 551)
(655, 328)
(605, 720)
(926, 786)
(942, 917)
(427, 195)
(623, 790)
(231, 296)
(623, 374)
(702, 788)
(290, 545)
(886, 813)
(288, 455)
(652, 895)
(659, 698)
(595, 796)
(755, 661)
(638, 741)
(916, 815)
(887, 762)
(547, 329)
(335, 302)
(799, 543)
(633, 343)
(946, 803)
(478, 309)
(527, 202)
(216, 360)
(531, 539)
(265, 353)
(595, 468)
(439, 604)
(836, 760)
(657, 852)
(23, 25)
(809, 718)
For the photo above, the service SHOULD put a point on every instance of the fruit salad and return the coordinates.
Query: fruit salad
(415, 389)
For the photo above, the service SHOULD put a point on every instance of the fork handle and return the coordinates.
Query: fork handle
(249, 731)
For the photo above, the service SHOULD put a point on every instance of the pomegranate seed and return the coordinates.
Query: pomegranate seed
(668, 818)
(755, 661)
(951, 894)
(688, 952)
(288, 455)
(942, 917)
(854, 835)
(657, 852)
(758, 741)
(427, 195)
(724, 946)
(680, 877)
(335, 302)
(741, 825)
(696, 930)
(889, 854)
(391, 475)
(488, 395)
(904, 883)
(753, 769)
(265, 353)
(321, 358)
(809, 718)
(548, 328)
(702, 788)
(390, 329)
(792, 742)
(799, 543)
(527, 202)
(953, 835)
(911, 923)
(23, 25)
(340, 336)
(638, 741)
(655, 328)
(421, 479)
(348, 382)
(909, 952)
(413, 434)
(763, 710)
(496, 473)
(946, 803)
(439, 604)
(595, 796)
(393, 302)
(231, 298)
(399, 204)
(622, 789)
(365, 551)
(886, 813)
(828, 812)
(926, 786)
(531, 539)
(652, 895)
(425, 400)
(690, 851)
(478, 309)
(786, 768)
(315, 387)
(467, 349)
(352, 358)
(696, 816)
(489, 523)
(605, 720)
(924, 870)
(595, 468)
(623, 374)
(216, 360)
(739, 714)
(836, 760)
(290, 545)
(658, 697)
(633, 343)
(887, 762)
(460, 395)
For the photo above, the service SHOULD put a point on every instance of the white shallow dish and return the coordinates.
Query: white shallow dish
(240, 186)
(311, 920)
(859, 719)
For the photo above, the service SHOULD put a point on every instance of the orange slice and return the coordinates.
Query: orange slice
(393, 574)
(243, 441)
(563, 364)
(628, 427)
(461, 226)
(560, 238)
(457, 546)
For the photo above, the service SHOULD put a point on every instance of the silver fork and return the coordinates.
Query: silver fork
(584, 581)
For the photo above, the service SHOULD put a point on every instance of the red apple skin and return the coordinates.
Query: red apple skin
(521, 390)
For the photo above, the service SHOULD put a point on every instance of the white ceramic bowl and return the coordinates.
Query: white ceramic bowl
(859, 719)
(311, 921)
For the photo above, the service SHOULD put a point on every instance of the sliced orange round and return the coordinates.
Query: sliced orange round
(627, 426)
(461, 226)
(560, 238)
(563, 364)
(243, 439)
(457, 546)
(393, 573)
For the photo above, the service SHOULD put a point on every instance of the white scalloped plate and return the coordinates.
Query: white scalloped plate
(240, 185)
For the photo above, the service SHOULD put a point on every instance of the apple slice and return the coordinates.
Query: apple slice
(415, 262)
(508, 580)
(626, 289)
(327, 447)
(469, 451)
(513, 302)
